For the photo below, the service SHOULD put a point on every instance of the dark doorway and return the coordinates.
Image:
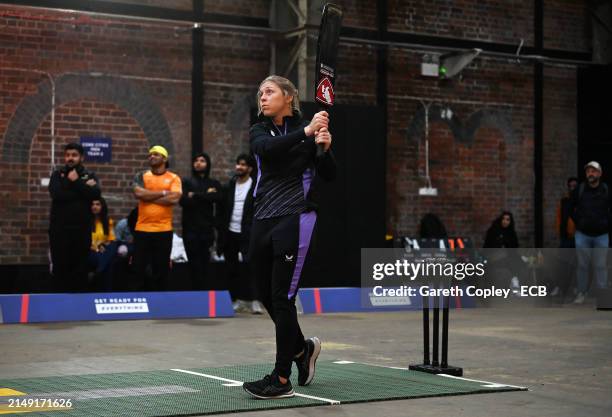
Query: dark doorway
(595, 118)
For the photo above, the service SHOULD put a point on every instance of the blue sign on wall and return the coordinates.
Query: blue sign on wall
(97, 149)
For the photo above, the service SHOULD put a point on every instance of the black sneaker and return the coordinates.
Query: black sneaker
(307, 362)
(269, 388)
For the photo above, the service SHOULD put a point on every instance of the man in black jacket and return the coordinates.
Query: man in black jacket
(234, 235)
(201, 195)
(590, 209)
(72, 190)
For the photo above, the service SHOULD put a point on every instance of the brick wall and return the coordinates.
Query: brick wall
(73, 120)
(234, 65)
(566, 25)
(130, 80)
(174, 4)
(560, 145)
(119, 78)
(484, 20)
(359, 14)
(253, 8)
(480, 160)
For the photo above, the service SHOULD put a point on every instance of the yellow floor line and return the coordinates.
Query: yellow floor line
(7, 392)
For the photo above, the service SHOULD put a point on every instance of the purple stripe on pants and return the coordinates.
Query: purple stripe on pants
(258, 175)
(307, 180)
(307, 223)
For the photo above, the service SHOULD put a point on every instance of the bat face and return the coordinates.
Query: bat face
(327, 54)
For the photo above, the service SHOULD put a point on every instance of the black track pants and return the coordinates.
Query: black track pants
(278, 250)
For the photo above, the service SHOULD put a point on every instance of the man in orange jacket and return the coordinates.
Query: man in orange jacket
(157, 191)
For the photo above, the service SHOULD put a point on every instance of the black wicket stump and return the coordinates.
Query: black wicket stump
(433, 365)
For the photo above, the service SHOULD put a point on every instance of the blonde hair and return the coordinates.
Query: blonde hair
(286, 87)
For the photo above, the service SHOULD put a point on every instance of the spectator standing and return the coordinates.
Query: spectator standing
(566, 230)
(565, 225)
(235, 232)
(200, 201)
(590, 209)
(72, 189)
(157, 191)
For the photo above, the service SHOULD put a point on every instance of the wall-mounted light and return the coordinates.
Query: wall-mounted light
(453, 63)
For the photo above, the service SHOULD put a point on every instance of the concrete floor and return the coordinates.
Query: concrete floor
(563, 354)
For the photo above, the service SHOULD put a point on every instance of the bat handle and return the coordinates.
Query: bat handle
(320, 151)
(320, 148)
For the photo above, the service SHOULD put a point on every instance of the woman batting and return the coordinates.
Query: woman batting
(285, 148)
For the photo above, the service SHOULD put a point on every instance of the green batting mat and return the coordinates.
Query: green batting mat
(183, 392)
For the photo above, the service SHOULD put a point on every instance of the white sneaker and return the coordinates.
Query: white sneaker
(579, 298)
(256, 307)
(240, 306)
(514, 286)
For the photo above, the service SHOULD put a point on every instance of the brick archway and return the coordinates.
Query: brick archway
(466, 134)
(464, 131)
(72, 87)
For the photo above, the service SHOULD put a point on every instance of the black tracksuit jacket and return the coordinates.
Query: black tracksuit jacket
(280, 157)
(199, 211)
(71, 200)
